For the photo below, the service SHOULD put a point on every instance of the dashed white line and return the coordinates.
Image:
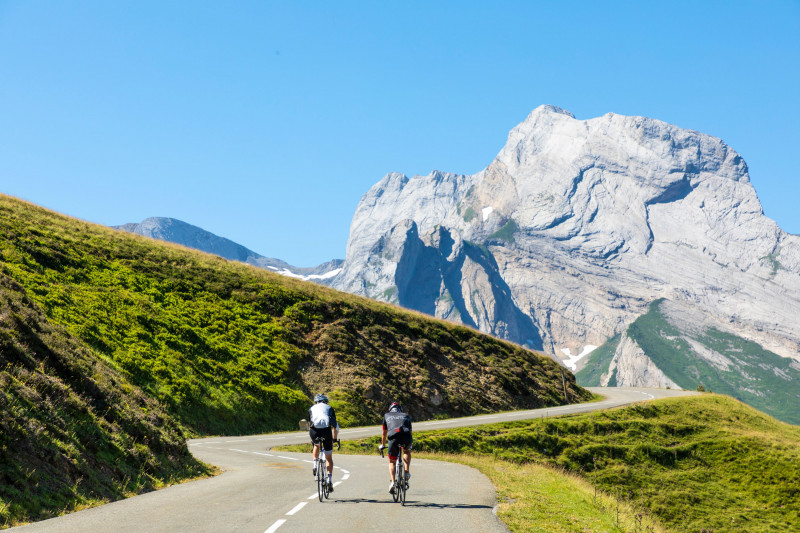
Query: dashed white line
(345, 471)
(297, 508)
(345, 476)
(275, 526)
(290, 458)
(315, 495)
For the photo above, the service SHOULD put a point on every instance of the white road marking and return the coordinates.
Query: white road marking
(345, 471)
(275, 526)
(297, 508)
(240, 451)
(262, 453)
(290, 458)
(345, 476)
(308, 461)
(315, 495)
(337, 483)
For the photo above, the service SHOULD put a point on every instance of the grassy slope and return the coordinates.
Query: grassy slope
(750, 378)
(73, 431)
(700, 462)
(597, 364)
(186, 342)
(229, 348)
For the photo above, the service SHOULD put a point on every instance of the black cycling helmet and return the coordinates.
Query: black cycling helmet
(320, 398)
(395, 407)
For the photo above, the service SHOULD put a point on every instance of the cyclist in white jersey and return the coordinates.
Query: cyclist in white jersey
(322, 423)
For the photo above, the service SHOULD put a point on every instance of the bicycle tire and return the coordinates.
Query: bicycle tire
(402, 483)
(396, 493)
(321, 483)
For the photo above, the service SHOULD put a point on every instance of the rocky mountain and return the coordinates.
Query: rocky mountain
(573, 231)
(179, 232)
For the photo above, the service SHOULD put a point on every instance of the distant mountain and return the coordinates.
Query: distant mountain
(566, 239)
(179, 232)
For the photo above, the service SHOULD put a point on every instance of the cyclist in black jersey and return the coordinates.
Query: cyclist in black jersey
(322, 423)
(397, 430)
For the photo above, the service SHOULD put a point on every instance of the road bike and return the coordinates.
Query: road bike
(320, 469)
(400, 481)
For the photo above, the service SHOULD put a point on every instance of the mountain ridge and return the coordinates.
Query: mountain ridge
(183, 233)
(588, 222)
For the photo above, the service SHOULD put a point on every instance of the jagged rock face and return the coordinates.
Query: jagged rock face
(576, 226)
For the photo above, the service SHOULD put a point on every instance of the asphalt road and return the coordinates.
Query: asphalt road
(264, 491)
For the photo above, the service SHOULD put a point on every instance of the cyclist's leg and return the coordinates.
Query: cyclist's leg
(393, 452)
(407, 454)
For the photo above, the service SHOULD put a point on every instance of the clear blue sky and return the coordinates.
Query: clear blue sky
(265, 122)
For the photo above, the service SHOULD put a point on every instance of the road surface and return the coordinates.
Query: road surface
(262, 491)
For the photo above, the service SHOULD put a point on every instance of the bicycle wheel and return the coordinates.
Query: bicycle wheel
(321, 485)
(397, 484)
(402, 484)
(326, 488)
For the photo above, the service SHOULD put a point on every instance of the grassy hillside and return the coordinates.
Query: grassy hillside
(743, 369)
(228, 348)
(133, 344)
(73, 431)
(700, 463)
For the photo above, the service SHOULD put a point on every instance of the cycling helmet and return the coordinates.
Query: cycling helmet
(320, 398)
(395, 407)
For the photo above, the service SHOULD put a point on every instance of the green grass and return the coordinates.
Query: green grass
(538, 498)
(506, 233)
(228, 348)
(755, 376)
(597, 363)
(74, 432)
(469, 214)
(752, 377)
(691, 464)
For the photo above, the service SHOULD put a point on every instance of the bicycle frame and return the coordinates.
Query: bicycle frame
(322, 467)
(400, 483)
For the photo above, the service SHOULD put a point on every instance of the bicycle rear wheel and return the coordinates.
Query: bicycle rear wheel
(322, 486)
(397, 484)
(402, 484)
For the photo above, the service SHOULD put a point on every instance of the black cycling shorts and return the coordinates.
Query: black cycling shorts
(324, 433)
(395, 442)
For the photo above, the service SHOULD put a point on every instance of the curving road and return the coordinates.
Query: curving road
(263, 491)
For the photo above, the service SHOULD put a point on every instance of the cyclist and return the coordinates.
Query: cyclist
(397, 429)
(322, 423)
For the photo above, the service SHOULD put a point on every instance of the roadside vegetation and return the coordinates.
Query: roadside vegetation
(692, 464)
(73, 431)
(115, 348)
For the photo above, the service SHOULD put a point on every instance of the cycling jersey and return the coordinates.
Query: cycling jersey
(396, 422)
(321, 415)
(398, 431)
